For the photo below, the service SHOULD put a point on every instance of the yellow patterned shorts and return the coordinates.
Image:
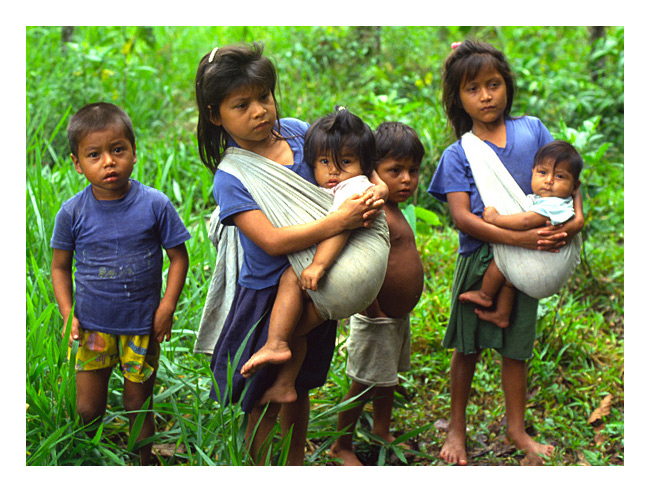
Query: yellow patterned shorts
(138, 360)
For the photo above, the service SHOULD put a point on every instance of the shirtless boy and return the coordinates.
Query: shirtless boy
(379, 345)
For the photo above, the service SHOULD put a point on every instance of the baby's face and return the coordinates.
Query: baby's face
(328, 175)
(401, 177)
(552, 179)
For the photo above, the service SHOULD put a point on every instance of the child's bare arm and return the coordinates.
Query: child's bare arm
(546, 238)
(522, 221)
(275, 241)
(380, 189)
(571, 227)
(62, 286)
(326, 253)
(164, 316)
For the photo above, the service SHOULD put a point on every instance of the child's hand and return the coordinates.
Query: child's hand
(162, 323)
(490, 215)
(373, 197)
(576, 190)
(310, 276)
(75, 329)
(380, 191)
(355, 209)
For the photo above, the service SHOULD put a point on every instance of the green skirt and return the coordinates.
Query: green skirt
(469, 334)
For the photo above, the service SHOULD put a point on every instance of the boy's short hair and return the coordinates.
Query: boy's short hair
(560, 151)
(97, 117)
(399, 141)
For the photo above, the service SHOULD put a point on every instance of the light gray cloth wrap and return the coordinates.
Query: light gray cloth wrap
(222, 285)
(536, 273)
(350, 285)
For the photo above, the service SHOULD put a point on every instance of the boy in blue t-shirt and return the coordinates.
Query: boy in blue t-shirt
(114, 229)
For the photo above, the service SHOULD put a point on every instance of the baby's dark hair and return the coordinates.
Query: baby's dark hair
(220, 72)
(464, 63)
(399, 141)
(560, 151)
(337, 132)
(96, 117)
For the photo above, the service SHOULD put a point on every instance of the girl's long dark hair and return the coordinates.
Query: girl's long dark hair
(220, 73)
(464, 63)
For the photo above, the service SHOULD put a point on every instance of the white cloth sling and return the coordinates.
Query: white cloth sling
(351, 283)
(536, 273)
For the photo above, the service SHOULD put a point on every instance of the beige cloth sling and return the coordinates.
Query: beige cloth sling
(350, 285)
(536, 273)
(221, 290)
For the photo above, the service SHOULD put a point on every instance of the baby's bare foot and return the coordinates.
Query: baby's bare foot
(453, 450)
(493, 317)
(266, 355)
(477, 297)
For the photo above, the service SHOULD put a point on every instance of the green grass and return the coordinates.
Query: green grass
(579, 353)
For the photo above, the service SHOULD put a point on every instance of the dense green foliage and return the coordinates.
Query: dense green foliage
(573, 83)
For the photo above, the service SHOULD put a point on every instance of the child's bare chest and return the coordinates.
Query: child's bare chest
(404, 278)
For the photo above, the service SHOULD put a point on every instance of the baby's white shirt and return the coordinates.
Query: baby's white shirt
(345, 189)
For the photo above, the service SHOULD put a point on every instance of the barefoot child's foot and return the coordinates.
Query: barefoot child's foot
(453, 450)
(528, 445)
(268, 354)
(477, 297)
(347, 456)
(494, 317)
(279, 392)
(391, 438)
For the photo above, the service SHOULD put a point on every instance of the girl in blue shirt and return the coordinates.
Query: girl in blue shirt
(235, 91)
(478, 89)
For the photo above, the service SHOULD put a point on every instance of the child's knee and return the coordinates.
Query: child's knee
(135, 395)
(90, 411)
(134, 402)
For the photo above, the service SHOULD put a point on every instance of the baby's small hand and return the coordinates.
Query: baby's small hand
(310, 276)
(490, 214)
(576, 190)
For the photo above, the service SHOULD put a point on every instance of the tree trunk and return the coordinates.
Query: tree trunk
(66, 37)
(596, 33)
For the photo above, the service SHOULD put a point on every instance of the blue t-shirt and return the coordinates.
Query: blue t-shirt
(260, 270)
(118, 256)
(524, 136)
